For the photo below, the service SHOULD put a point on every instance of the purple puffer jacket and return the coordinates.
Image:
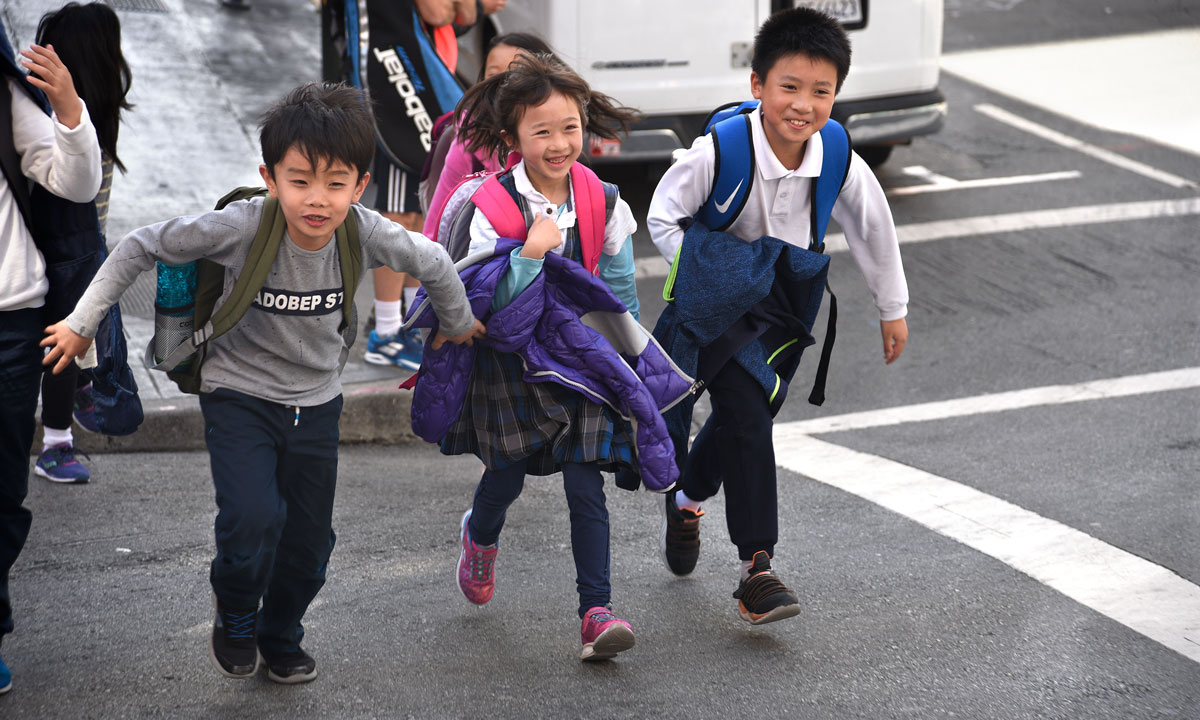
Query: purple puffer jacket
(569, 329)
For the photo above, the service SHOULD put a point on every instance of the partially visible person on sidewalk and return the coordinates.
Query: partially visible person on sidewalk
(457, 162)
(59, 152)
(270, 389)
(89, 42)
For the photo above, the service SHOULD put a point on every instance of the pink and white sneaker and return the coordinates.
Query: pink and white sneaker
(476, 577)
(604, 635)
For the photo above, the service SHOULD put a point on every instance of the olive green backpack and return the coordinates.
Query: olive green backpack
(182, 344)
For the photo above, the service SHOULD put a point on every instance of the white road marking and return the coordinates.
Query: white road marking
(1069, 142)
(1145, 597)
(656, 267)
(1085, 80)
(1033, 220)
(1181, 379)
(941, 183)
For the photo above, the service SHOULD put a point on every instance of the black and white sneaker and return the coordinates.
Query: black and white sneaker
(290, 668)
(232, 647)
(680, 543)
(762, 597)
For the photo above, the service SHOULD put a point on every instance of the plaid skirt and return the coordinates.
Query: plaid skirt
(506, 419)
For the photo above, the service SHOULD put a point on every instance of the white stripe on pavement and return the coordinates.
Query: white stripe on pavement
(1134, 592)
(1069, 142)
(1080, 78)
(1181, 379)
(656, 266)
(940, 183)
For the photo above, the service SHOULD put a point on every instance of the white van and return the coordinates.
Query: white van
(676, 60)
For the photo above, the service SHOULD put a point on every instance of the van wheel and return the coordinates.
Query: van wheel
(874, 155)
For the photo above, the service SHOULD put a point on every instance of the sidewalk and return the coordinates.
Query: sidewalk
(202, 76)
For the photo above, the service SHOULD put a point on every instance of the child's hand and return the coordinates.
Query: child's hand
(468, 337)
(65, 345)
(543, 237)
(52, 77)
(895, 336)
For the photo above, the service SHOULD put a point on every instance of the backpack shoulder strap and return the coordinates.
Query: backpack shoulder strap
(10, 160)
(835, 164)
(728, 110)
(733, 172)
(500, 209)
(261, 257)
(590, 214)
(350, 258)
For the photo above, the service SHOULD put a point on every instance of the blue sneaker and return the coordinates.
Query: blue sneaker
(85, 409)
(5, 677)
(402, 350)
(57, 463)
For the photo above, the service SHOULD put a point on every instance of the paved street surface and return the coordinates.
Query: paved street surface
(1001, 525)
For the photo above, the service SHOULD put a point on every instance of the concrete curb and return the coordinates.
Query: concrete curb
(372, 413)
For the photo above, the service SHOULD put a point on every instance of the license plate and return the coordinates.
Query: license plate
(847, 12)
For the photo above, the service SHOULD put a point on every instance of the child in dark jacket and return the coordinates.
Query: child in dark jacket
(800, 59)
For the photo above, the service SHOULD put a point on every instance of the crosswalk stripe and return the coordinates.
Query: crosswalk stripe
(1139, 594)
(1181, 379)
(656, 266)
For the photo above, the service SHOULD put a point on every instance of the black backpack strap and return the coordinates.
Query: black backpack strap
(817, 396)
(10, 160)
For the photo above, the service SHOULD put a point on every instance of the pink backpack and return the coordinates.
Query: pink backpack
(450, 224)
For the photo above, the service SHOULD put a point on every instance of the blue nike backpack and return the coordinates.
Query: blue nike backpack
(733, 178)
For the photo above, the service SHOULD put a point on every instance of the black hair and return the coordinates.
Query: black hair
(324, 121)
(87, 39)
(801, 31)
(491, 110)
(520, 40)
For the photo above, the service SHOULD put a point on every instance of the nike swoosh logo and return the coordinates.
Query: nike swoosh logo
(722, 207)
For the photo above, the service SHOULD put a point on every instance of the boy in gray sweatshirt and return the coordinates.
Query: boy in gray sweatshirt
(270, 388)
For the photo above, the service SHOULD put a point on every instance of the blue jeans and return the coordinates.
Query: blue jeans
(584, 486)
(20, 382)
(735, 450)
(274, 476)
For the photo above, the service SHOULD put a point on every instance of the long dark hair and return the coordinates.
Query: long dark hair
(493, 108)
(87, 39)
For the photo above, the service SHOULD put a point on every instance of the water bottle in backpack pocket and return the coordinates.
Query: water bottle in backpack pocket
(174, 311)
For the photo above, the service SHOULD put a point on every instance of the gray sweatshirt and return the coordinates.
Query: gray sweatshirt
(287, 349)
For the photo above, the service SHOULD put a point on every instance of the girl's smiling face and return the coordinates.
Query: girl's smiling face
(549, 137)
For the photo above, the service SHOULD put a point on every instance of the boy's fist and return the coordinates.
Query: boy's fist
(895, 337)
(468, 337)
(65, 345)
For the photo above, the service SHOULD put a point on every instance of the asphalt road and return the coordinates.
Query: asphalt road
(1037, 558)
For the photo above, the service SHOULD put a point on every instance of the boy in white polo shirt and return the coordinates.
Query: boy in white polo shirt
(800, 59)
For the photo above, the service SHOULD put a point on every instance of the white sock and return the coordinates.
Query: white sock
(746, 569)
(52, 437)
(387, 317)
(683, 501)
(410, 296)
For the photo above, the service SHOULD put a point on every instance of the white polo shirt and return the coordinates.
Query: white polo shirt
(779, 206)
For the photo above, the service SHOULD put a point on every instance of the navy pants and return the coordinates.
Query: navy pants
(274, 469)
(584, 486)
(20, 381)
(734, 450)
